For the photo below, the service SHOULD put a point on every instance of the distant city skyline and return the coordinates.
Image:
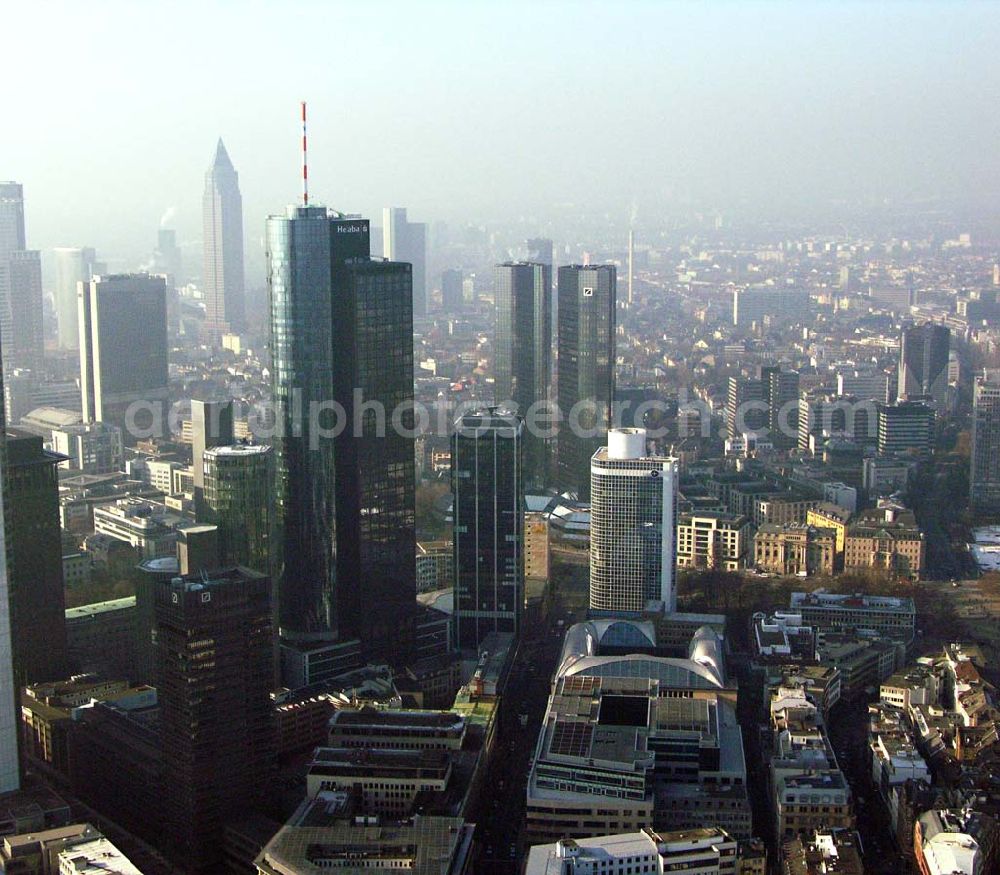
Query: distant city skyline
(729, 113)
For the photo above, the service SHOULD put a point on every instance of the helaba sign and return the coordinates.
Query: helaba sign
(356, 228)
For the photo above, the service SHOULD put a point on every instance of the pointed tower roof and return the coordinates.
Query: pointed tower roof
(222, 156)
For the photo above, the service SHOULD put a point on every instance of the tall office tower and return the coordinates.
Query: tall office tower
(21, 310)
(12, 236)
(523, 351)
(632, 525)
(781, 394)
(746, 409)
(211, 426)
(73, 266)
(215, 659)
(489, 526)
(342, 330)
(238, 482)
(123, 345)
(905, 427)
(984, 477)
(222, 242)
(403, 240)
(452, 300)
(539, 250)
(34, 559)
(10, 763)
(923, 362)
(167, 256)
(586, 382)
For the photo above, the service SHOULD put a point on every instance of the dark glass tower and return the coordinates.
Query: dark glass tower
(523, 350)
(342, 328)
(923, 362)
(34, 551)
(586, 369)
(488, 490)
(215, 654)
(222, 216)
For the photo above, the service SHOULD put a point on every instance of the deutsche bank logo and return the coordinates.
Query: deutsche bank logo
(588, 291)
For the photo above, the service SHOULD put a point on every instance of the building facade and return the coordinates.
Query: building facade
(586, 382)
(632, 520)
(487, 484)
(984, 476)
(406, 241)
(713, 540)
(923, 362)
(795, 548)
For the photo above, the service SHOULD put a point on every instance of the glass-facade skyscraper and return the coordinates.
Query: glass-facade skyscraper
(20, 286)
(984, 477)
(222, 219)
(923, 362)
(523, 350)
(10, 766)
(73, 266)
(586, 369)
(403, 240)
(488, 490)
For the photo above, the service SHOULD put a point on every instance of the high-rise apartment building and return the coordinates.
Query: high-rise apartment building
(342, 331)
(211, 426)
(215, 659)
(123, 345)
(236, 497)
(905, 427)
(222, 217)
(452, 299)
(34, 559)
(73, 266)
(488, 489)
(632, 525)
(586, 369)
(523, 351)
(403, 240)
(10, 766)
(984, 477)
(923, 362)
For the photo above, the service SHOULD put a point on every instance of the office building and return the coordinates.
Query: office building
(123, 349)
(93, 448)
(632, 740)
(167, 256)
(10, 769)
(632, 525)
(78, 849)
(706, 851)
(795, 548)
(222, 241)
(523, 352)
(12, 236)
(765, 305)
(923, 363)
(101, 638)
(215, 654)
(406, 241)
(905, 427)
(73, 266)
(866, 385)
(539, 250)
(586, 382)
(21, 310)
(747, 411)
(823, 416)
(34, 559)
(452, 299)
(889, 616)
(713, 539)
(211, 426)
(487, 483)
(342, 332)
(237, 498)
(781, 395)
(984, 475)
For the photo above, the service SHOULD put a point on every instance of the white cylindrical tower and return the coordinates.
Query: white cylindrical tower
(626, 443)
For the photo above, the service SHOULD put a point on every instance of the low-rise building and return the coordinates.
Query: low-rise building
(824, 852)
(799, 549)
(898, 548)
(713, 540)
(827, 515)
(891, 616)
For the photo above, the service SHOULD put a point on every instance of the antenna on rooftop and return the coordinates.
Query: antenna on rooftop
(305, 163)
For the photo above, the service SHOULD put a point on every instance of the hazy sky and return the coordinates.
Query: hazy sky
(474, 109)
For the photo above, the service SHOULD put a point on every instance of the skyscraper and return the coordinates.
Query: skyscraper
(905, 427)
(238, 482)
(123, 345)
(73, 266)
(488, 546)
(523, 350)
(632, 525)
(781, 394)
(215, 660)
(222, 217)
(403, 240)
(923, 362)
(211, 426)
(20, 286)
(984, 477)
(452, 300)
(34, 559)
(342, 337)
(539, 250)
(10, 764)
(586, 368)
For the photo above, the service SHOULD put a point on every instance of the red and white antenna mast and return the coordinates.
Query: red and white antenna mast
(305, 163)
